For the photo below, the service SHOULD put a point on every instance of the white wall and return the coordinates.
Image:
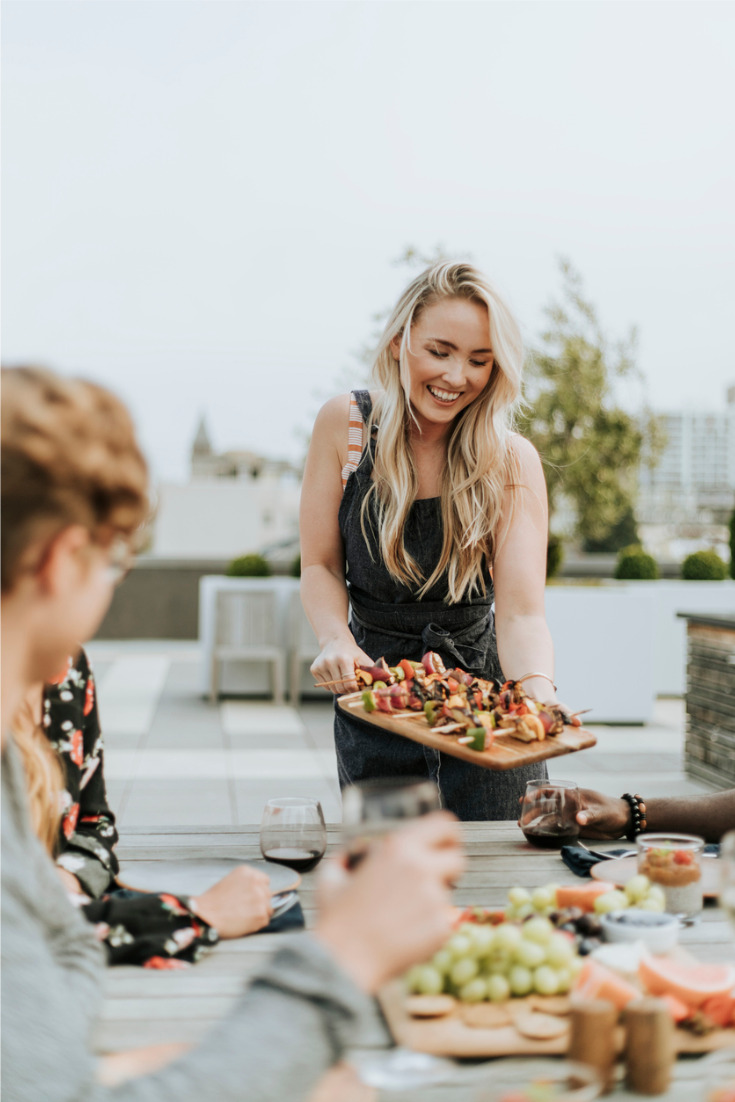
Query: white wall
(221, 518)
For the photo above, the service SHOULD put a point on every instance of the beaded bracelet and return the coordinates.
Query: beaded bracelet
(638, 821)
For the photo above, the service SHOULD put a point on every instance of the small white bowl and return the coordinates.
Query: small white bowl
(658, 932)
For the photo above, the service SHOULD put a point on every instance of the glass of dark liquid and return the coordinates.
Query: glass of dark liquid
(373, 808)
(293, 832)
(548, 813)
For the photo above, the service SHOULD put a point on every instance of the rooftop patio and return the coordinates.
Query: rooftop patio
(174, 758)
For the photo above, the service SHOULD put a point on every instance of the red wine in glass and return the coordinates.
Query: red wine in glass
(300, 860)
(293, 832)
(548, 813)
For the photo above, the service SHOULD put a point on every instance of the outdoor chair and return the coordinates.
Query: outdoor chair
(246, 630)
(304, 646)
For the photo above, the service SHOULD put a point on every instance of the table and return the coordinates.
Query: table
(146, 1007)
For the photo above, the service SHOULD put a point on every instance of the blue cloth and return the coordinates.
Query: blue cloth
(292, 919)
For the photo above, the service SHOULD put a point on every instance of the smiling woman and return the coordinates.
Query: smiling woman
(440, 531)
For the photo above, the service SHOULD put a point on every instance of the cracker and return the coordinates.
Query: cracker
(540, 1027)
(558, 1005)
(430, 1006)
(486, 1015)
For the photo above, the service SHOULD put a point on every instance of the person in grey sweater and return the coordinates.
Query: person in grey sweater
(73, 492)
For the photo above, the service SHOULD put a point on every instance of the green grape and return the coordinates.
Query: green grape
(530, 954)
(538, 929)
(525, 910)
(611, 901)
(564, 980)
(484, 940)
(474, 991)
(575, 967)
(545, 980)
(651, 905)
(543, 899)
(520, 980)
(518, 896)
(430, 981)
(459, 946)
(498, 989)
(507, 936)
(442, 960)
(498, 963)
(412, 977)
(656, 892)
(463, 971)
(637, 888)
(559, 951)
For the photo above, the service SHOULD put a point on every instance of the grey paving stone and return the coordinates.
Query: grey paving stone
(251, 797)
(158, 803)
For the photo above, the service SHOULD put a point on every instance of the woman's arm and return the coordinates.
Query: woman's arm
(519, 577)
(323, 586)
(88, 834)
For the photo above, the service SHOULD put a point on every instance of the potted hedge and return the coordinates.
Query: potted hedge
(703, 566)
(249, 566)
(635, 564)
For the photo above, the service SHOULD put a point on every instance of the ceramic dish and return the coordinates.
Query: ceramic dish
(658, 932)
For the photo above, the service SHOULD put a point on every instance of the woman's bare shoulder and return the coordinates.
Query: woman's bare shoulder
(524, 452)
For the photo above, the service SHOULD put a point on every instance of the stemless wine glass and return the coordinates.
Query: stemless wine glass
(373, 808)
(293, 832)
(549, 813)
(727, 876)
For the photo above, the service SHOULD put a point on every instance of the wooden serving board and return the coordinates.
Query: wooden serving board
(451, 1036)
(506, 752)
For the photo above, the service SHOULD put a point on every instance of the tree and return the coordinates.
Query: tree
(591, 447)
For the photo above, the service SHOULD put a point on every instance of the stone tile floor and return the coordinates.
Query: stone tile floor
(173, 758)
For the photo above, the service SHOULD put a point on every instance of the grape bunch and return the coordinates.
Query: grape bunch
(483, 962)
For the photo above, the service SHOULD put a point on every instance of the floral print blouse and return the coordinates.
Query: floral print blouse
(157, 930)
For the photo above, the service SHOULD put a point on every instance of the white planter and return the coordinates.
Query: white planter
(604, 643)
(240, 677)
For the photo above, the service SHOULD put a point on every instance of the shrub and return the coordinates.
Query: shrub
(295, 570)
(703, 566)
(554, 556)
(249, 566)
(634, 562)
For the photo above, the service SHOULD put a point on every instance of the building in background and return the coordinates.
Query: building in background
(235, 502)
(685, 501)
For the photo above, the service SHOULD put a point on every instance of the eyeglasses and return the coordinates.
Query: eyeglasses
(120, 559)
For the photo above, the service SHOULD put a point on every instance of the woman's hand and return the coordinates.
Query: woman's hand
(394, 909)
(602, 817)
(238, 904)
(336, 665)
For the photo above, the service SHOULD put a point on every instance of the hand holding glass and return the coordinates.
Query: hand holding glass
(549, 813)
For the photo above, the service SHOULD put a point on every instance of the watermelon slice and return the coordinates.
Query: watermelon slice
(693, 984)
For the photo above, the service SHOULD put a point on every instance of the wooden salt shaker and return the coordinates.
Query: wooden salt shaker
(592, 1037)
(650, 1049)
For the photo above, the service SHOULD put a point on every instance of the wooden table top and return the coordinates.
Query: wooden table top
(144, 1007)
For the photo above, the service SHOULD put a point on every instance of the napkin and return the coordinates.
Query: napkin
(580, 861)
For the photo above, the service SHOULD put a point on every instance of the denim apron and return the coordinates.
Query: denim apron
(387, 620)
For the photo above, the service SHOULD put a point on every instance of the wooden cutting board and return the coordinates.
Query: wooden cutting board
(451, 1036)
(506, 752)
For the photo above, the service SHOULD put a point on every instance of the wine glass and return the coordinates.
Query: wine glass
(727, 876)
(375, 807)
(293, 832)
(549, 813)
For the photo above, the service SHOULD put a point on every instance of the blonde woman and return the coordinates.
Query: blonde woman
(425, 516)
(74, 490)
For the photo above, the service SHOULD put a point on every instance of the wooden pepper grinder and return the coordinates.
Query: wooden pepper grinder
(592, 1038)
(649, 1046)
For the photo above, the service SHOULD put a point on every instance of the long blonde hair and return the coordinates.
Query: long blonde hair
(44, 776)
(480, 464)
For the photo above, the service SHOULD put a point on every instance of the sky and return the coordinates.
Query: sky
(203, 201)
